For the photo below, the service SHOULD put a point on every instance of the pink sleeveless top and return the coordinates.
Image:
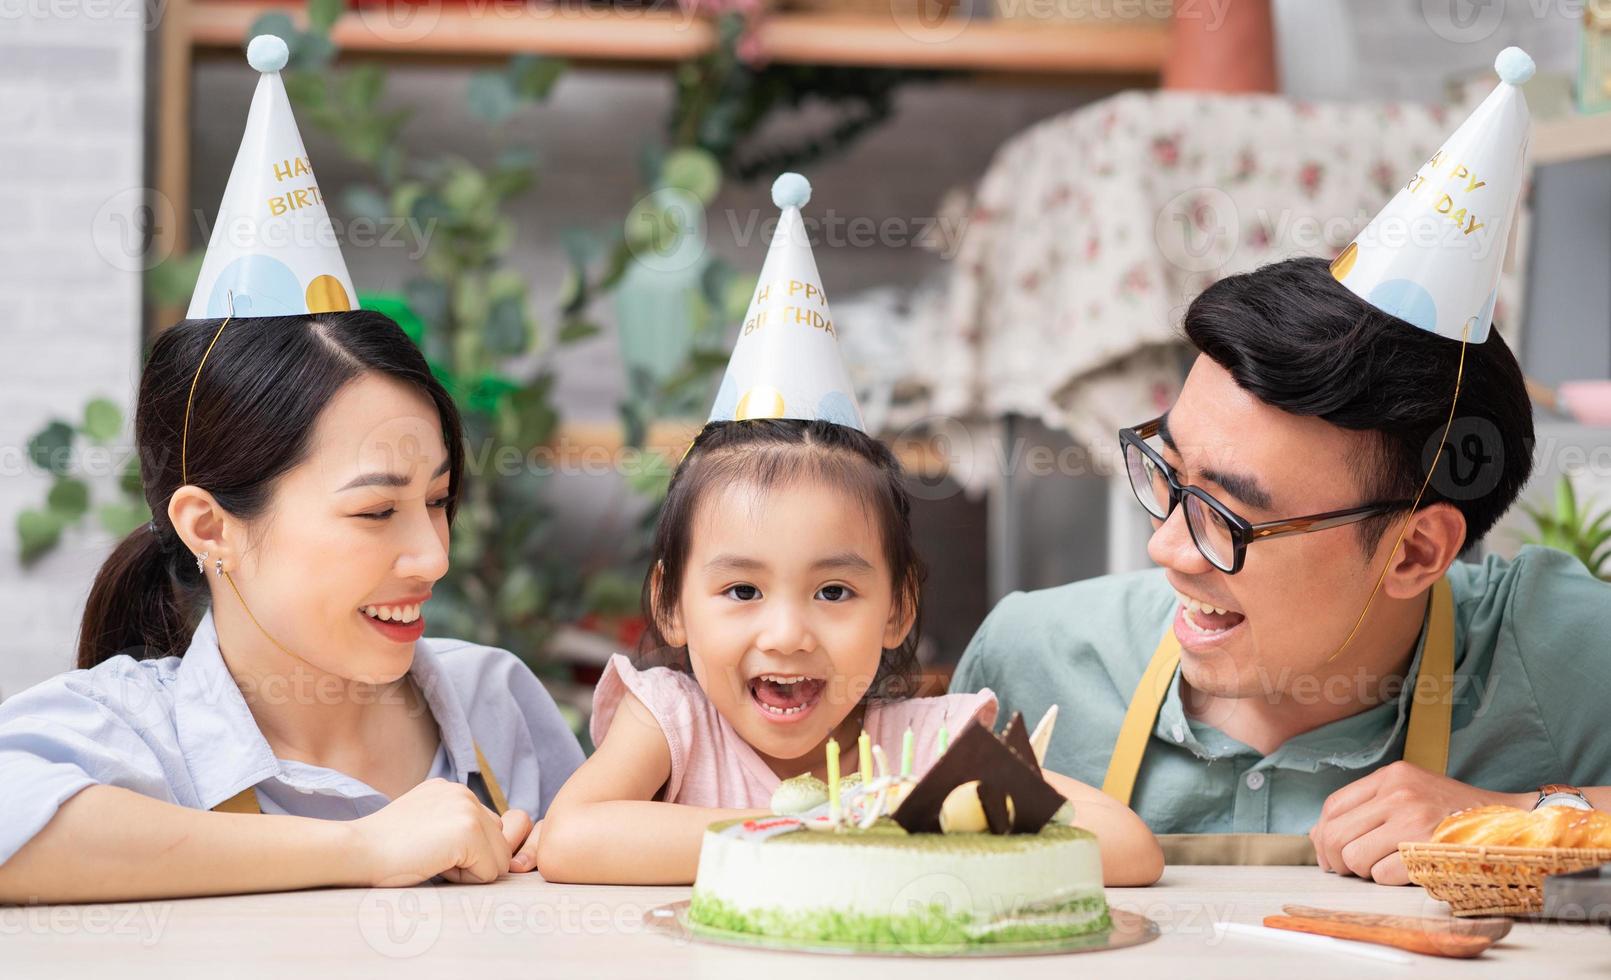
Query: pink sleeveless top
(712, 766)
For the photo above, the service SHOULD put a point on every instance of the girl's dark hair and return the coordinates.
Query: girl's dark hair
(771, 453)
(256, 404)
(1296, 339)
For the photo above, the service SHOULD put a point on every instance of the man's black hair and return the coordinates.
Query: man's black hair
(1298, 340)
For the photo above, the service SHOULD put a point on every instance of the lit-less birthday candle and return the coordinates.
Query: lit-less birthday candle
(833, 782)
(906, 754)
(864, 757)
(942, 741)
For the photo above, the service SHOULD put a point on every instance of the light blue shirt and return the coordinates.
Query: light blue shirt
(178, 730)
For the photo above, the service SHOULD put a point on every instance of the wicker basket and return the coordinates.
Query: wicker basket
(1479, 880)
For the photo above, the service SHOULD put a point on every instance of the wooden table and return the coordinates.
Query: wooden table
(524, 927)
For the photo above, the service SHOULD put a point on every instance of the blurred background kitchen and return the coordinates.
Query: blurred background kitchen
(567, 204)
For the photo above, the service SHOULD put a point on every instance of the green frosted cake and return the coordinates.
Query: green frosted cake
(884, 886)
(979, 851)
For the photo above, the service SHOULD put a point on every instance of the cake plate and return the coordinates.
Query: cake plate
(1128, 929)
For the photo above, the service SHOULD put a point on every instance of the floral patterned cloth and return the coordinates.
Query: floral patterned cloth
(1091, 232)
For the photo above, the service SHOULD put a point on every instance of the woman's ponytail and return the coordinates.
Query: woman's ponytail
(139, 605)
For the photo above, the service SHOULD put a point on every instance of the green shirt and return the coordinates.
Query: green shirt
(1532, 696)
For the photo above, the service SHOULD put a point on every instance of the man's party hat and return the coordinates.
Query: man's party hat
(786, 364)
(1432, 257)
(272, 252)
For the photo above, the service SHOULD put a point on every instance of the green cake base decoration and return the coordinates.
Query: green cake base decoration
(934, 925)
(934, 935)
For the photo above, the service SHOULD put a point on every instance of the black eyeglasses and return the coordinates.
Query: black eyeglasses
(1221, 534)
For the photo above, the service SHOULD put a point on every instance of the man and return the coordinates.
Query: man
(1283, 717)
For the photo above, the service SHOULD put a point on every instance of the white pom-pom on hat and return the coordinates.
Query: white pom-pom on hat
(1514, 66)
(791, 190)
(267, 53)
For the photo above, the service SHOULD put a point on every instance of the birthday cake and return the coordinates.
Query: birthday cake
(978, 851)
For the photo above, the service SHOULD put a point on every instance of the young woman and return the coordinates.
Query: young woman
(254, 707)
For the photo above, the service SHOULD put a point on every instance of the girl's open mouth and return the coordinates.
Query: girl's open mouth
(785, 697)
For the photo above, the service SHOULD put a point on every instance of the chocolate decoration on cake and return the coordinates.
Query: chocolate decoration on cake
(1002, 772)
(1016, 737)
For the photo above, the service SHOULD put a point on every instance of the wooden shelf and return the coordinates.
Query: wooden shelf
(493, 30)
(1570, 138)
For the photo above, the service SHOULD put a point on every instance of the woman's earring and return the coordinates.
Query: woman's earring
(201, 563)
(219, 565)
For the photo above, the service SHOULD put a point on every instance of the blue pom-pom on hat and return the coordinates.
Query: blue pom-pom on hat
(267, 53)
(791, 191)
(1514, 66)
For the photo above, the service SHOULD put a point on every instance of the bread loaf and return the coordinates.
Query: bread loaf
(1507, 826)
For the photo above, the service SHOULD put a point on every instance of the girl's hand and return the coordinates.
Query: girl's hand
(437, 828)
(525, 858)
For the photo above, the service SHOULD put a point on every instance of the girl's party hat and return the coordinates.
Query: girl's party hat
(1432, 257)
(786, 363)
(272, 251)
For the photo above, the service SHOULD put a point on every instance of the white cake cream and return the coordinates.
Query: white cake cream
(852, 876)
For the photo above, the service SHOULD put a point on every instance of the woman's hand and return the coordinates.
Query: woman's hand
(437, 828)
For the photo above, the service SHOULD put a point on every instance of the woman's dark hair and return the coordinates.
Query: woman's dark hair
(1297, 339)
(256, 404)
(771, 453)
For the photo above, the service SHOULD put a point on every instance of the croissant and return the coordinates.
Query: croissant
(1507, 826)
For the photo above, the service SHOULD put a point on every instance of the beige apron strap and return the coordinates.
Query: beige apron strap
(1120, 781)
(1426, 744)
(499, 802)
(246, 800)
(243, 802)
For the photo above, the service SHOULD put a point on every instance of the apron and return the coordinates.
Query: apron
(1426, 744)
(246, 800)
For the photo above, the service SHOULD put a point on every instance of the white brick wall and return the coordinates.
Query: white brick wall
(72, 93)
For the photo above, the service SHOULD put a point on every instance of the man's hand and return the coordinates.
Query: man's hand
(1362, 824)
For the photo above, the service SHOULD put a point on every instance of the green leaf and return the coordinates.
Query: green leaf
(693, 170)
(50, 449)
(464, 190)
(361, 87)
(576, 330)
(309, 93)
(120, 518)
(171, 281)
(535, 413)
(103, 420)
(1565, 503)
(429, 300)
(129, 480)
(68, 499)
(38, 531)
(520, 595)
(365, 201)
(275, 22)
(323, 14)
(311, 51)
(489, 393)
(505, 333)
(532, 77)
(490, 95)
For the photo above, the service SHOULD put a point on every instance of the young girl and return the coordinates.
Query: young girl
(255, 709)
(785, 586)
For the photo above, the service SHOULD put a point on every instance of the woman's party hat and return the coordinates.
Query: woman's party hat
(272, 251)
(1432, 257)
(786, 363)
